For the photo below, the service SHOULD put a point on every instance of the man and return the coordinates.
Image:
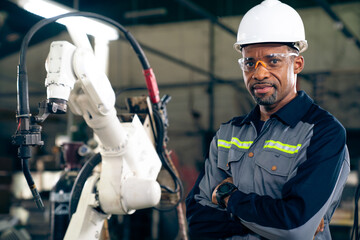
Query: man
(279, 171)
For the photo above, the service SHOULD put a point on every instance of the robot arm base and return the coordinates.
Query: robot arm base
(86, 223)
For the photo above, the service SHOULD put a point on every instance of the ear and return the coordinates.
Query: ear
(298, 64)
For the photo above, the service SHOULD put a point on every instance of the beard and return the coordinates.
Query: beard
(264, 100)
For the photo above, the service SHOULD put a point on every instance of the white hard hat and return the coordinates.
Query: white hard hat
(271, 22)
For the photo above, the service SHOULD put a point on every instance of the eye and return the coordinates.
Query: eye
(249, 64)
(274, 61)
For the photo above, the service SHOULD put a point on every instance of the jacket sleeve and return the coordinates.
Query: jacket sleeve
(307, 197)
(206, 219)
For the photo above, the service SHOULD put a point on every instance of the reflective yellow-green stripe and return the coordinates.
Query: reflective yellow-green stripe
(287, 148)
(234, 141)
(224, 144)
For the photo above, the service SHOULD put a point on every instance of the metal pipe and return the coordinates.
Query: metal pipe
(212, 79)
(174, 59)
(339, 23)
(202, 12)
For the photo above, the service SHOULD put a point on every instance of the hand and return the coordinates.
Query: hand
(320, 228)
(213, 196)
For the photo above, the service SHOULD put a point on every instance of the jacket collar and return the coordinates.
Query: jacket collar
(290, 114)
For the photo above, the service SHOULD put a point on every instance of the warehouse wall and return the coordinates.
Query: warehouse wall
(193, 118)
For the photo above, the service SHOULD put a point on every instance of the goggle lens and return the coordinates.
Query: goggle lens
(270, 62)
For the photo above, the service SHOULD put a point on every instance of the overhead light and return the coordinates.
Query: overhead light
(146, 13)
(48, 9)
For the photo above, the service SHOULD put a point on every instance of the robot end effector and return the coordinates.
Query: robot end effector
(60, 77)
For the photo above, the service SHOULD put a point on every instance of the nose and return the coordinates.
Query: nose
(261, 72)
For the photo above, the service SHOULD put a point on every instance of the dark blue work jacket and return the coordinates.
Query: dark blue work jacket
(290, 175)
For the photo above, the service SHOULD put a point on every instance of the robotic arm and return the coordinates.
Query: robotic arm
(130, 163)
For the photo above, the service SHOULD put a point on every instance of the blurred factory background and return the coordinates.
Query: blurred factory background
(189, 45)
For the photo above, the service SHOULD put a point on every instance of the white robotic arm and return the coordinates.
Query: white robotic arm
(130, 164)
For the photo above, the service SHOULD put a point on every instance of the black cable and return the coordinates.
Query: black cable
(165, 161)
(80, 180)
(31, 183)
(23, 98)
(26, 171)
(23, 112)
(160, 148)
(139, 52)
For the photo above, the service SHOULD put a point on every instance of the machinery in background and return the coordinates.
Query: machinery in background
(10, 230)
(72, 154)
(130, 162)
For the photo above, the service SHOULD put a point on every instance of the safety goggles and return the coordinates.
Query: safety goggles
(270, 62)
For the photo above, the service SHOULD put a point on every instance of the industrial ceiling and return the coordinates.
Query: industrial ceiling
(15, 22)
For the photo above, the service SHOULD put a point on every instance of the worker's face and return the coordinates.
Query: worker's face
(271, 86)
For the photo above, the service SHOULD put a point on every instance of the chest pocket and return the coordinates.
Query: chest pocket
(226, 157)
(271, 172)
(278, 157)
